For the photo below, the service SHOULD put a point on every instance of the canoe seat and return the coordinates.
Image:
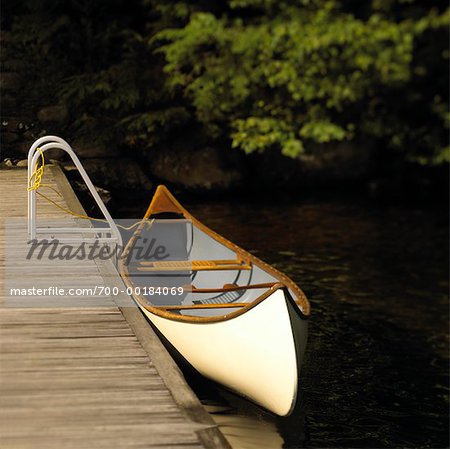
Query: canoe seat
(194, 265)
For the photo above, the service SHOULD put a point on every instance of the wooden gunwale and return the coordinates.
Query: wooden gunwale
(164, 201)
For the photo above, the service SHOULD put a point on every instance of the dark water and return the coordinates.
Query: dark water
(376, 369)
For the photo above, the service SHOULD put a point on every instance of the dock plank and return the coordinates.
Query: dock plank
(75, 375)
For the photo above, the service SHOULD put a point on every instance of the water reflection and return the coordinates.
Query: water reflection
(245, 431)
(376, 368)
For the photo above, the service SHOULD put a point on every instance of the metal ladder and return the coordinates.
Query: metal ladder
(104, 235)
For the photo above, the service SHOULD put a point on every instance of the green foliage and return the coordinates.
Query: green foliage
(258, 74)
(292, 73)
(93, 57)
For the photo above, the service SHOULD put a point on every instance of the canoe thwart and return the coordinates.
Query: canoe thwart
(227, 288)
(204, 306)
(194, 265)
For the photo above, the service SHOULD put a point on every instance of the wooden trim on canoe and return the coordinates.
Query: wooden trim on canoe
(164, 201)
(164, 311)
(225, 289)
(228, 305)
(193, 265)
(228, 288)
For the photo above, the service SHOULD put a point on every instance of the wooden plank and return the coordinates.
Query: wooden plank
(194, 265)
(73, 374)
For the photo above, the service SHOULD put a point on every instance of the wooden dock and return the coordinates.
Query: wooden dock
(91, 376)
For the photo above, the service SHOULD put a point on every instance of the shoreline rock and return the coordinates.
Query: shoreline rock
(53, 114)
(200, 170)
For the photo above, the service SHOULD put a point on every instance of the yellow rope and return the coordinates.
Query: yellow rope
(35, 183)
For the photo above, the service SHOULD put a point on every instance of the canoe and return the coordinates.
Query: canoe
(232, 317)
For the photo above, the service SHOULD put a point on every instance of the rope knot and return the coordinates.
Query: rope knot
(35, 180)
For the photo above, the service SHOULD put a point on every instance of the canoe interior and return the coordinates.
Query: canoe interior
(174, 256)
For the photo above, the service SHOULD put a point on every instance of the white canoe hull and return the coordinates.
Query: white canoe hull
(257, 354)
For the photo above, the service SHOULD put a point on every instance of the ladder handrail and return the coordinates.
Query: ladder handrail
(31, 152)
(54, 142)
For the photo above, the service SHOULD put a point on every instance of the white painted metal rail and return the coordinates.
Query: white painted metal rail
(109, 234)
